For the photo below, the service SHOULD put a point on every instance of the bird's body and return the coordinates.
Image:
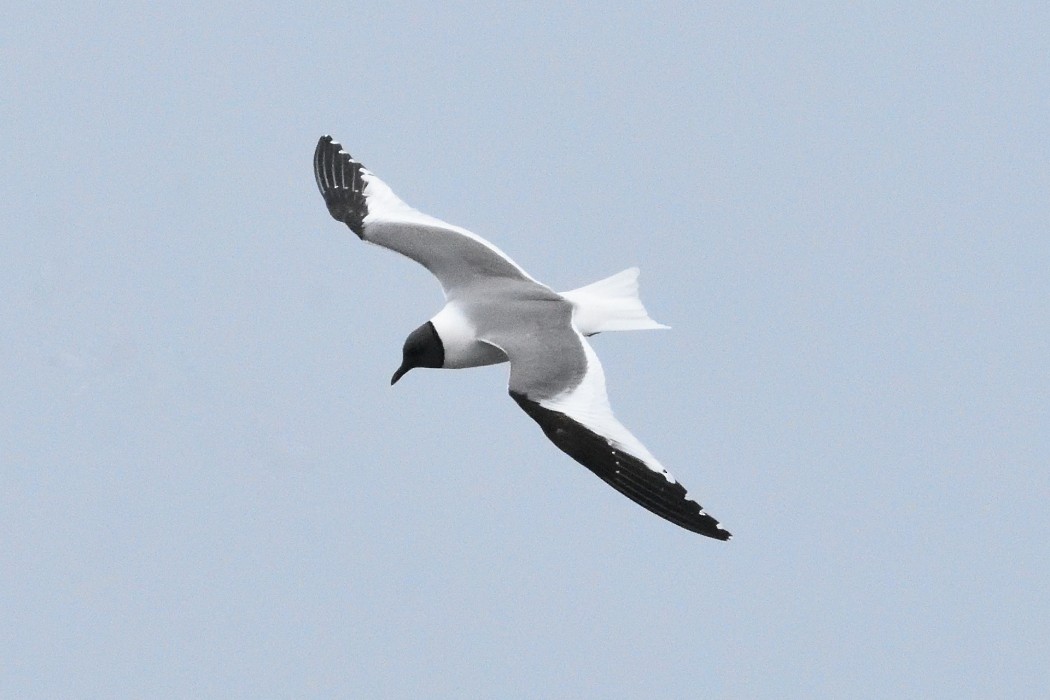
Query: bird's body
(495, 312)
(456, 325)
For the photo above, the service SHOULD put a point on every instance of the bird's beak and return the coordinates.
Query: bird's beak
(399, 373)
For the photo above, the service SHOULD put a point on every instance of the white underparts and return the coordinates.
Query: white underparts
(462, 347)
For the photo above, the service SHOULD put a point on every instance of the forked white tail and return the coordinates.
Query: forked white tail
(611, 304)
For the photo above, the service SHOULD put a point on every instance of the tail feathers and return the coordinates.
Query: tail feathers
(611, 304)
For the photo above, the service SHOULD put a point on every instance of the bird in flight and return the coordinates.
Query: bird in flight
(496, 312)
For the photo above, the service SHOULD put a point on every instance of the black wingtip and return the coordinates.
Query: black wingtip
(339, 180)
(624, 472)
(721, 533)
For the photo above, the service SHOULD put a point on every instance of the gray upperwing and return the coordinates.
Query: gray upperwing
(558, 381)
(356, 197)
(622, 470)
(546, 356)
(455, 259)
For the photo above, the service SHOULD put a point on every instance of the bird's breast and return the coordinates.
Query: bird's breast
(459, 338)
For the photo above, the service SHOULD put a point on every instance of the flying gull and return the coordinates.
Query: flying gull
(496, 312)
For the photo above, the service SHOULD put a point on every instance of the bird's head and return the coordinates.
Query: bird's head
(423, 348)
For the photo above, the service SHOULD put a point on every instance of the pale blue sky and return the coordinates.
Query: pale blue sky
(208, 488)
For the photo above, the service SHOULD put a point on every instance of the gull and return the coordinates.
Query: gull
(496, 312)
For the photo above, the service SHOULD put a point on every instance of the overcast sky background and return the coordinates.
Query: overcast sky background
(208, 488)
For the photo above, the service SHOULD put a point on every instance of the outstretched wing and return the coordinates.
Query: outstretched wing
(369, 207)
(560, 384)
